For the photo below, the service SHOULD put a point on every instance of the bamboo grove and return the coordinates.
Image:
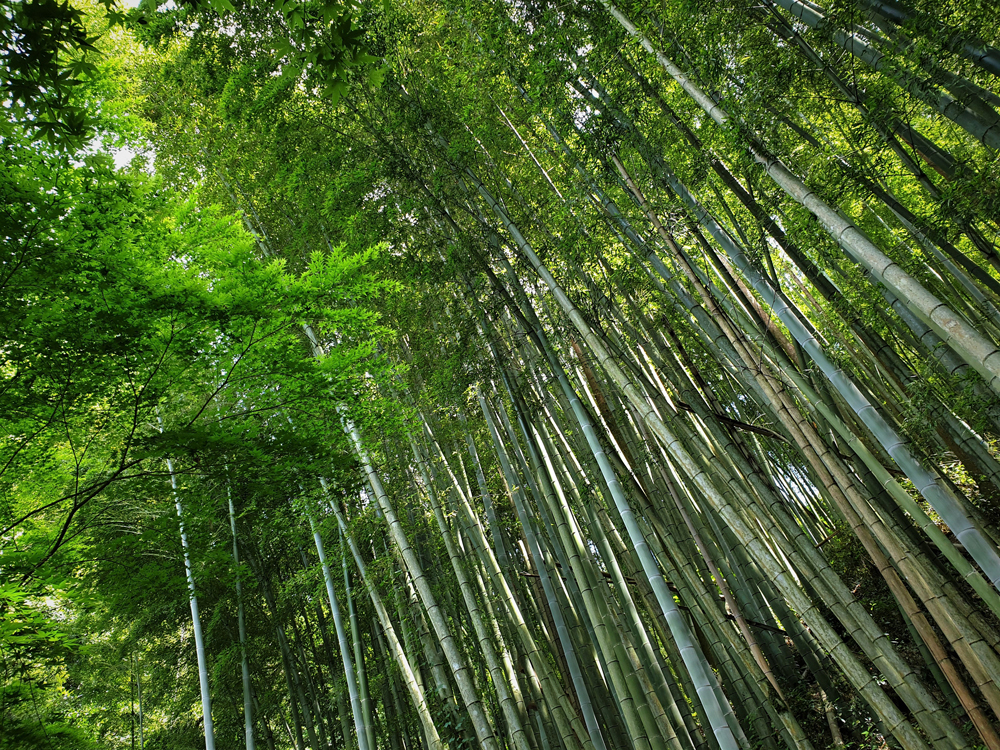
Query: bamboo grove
(567, 376)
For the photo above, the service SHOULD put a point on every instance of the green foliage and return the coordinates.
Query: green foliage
(123, 303)
(37, 644)
(44, 51)
(319, 43)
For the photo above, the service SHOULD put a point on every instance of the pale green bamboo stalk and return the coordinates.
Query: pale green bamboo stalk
(661, 693)
(661, 697)
(977, 656)
(345, 647)
(241, 629)
(903, 286)
(694, 660)
(460, 670)
(496, 672)
(574, 731)
(516, 494)
(505, 650)
(199, 639)
(635, 710)
(366, 709)
(975, 117)
(691, 468)
(569, 649)
(413, 686)
(495, 531)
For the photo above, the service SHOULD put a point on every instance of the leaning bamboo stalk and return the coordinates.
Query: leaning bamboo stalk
(980, 353)
(631, 703)
(971, 536)
(459, 668)
(976, 655)
(499, 578)
(641, 200)
(691, 654)
(496, 672)
(973, 115)
(611, 641)
(979, 665)
(366, 707)
(652, 671)
(569, 650)
(399, 654)
(360, 725)
(456, 661)
(897, 669)
(516, 494)
(890, 714)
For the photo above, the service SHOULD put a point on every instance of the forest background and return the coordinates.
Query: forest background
(536, 375)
